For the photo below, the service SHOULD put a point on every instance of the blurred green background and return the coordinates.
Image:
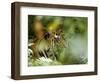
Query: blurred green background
(74, 31)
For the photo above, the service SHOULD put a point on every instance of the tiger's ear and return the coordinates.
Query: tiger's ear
(46, 35)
